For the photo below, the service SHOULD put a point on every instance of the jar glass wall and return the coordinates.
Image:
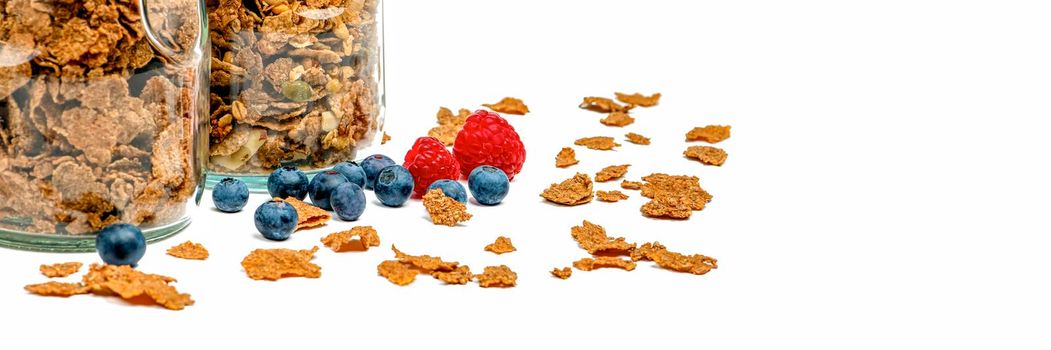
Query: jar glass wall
(294, 83)
(99, 122)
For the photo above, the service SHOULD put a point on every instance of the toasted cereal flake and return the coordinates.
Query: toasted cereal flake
(449, 125)
(589, 264)
(275, 264)
(562, 273)
(637, 139)
(612, 172)
(574, 191)
(444, 210)
(631, 185)
(603, 105)
(397, 272)
(425, 263)
(385, 139)
(498, 277)
(639, 99)
(611, 196)
(461, 275)
(309, 216)
(675, 197)
(131, 284)
(594, 240)
(566, 157)
(707, 155)
(189, 250)
(60, 270)
(618, 119)
(696, 264)
(599, 143)
(709, 134)
(646, 249)
(358, 239)
(501, 246)
(509, 105)
(57, 289)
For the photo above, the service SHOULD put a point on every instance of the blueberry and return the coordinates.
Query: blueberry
(322, 185)
(276, 220)
(348, 200)
(352, 171)
(372, 166)
(121, 244)
(394, 185)
(230, 195)
(287, 182)
(452, 189)
(488, 185)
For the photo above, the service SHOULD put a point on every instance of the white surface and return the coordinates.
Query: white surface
(886, 188)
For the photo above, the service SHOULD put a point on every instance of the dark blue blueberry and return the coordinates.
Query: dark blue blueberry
(121, 244)
(394, 185)
(452, 189)
(348, 200)
(352, 171)
(322, 185)
(276, 220)
(372, 166)
(230, 195)
(287, 182)
(488, 185)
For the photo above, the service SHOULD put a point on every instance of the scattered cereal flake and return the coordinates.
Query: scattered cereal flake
(574, 191)
(498, 277)
(385, 139)
(709, 134)
(461, 275)
(58, 289)
(189, 250)
(309, 216)
(707, 155)
(611, 196)
(131, 284)
(358, 239)
(274, 264)
(696, 264)
(444, 210)
(618, 119)
(566, 157)
(425, 263)
(675, 197)
(603, 105)
(594, 240)
(646, 249)
(562, 273)
(637, 139)
(612, 172)
(509, 105)
(501, 246)
(60, 270)
(639, 99)
(449, 125)
(589, 264)
(631, 185)
(600, 143)
(397, 272)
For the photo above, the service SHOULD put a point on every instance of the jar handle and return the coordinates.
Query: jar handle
(162, 48)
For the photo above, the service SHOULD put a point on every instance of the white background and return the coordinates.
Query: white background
(887, 187)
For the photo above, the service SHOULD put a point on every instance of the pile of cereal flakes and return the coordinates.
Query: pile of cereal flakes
(95, 126)
(293, 82)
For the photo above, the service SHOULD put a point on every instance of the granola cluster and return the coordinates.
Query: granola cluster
(294, 82)
(95, 126)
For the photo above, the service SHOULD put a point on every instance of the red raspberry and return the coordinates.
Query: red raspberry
(430, 161)
(487, 139)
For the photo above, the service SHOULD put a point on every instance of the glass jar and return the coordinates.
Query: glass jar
(99, 106)
(294, 83)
